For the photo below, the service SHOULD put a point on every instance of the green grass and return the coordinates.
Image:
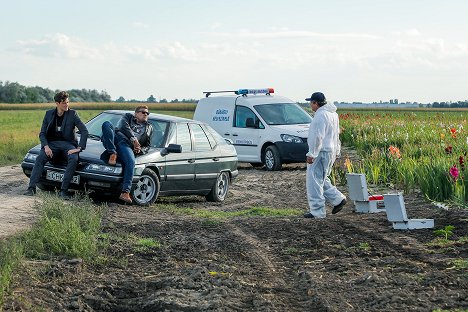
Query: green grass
(19, 129)
(216, 214)
(64, 230)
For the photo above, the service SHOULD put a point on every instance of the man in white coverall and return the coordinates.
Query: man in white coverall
(324, 147)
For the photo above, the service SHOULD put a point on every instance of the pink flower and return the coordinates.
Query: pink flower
(454, 172)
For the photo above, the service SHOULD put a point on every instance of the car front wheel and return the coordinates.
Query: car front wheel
(272, 158)
(146, 191)
(220, 189)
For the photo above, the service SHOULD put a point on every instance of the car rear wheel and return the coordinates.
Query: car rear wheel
(220, 189)
(272, 158)
(146, 190)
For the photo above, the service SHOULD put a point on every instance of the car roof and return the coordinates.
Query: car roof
(153, 116)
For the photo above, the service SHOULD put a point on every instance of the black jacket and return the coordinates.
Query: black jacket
(124, 129)
(70, 121)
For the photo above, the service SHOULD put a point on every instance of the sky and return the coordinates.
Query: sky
(361, 50)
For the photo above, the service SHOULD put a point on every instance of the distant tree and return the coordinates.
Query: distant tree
(163, 101)
(120, 99)
(151, 99)
(175, 101)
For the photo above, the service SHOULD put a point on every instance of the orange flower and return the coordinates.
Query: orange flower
(394, 152)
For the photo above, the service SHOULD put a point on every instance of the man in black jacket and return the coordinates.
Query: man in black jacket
(58, 139)
(131, 137)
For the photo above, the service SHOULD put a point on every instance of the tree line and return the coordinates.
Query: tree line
(13, 92)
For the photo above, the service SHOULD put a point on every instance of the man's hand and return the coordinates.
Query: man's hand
(48, 151)
(136, 146)
(310, 160)
(73, 151)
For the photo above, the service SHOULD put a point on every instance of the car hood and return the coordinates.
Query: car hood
(301, 130)
(95, 153)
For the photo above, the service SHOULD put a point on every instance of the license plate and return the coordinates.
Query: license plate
(58, 176)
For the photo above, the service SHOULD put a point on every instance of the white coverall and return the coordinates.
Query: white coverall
(324, 147)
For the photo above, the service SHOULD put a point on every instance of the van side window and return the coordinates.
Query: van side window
(183, 137)
(242, 113)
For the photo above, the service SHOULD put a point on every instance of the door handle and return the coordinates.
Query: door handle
(191, 161)
(215, 159)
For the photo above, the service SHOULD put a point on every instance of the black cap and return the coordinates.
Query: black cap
(317, 97)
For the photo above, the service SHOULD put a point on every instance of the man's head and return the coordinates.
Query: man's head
(317, 100)
(61, 100)
(141, 113)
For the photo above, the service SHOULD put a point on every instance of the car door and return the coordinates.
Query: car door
(206, 161)
(180, 167)
(246, 134)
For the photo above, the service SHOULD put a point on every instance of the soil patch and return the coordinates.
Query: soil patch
(346, 262)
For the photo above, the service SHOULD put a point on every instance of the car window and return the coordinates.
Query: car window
(94, 126)
(160, 128)
(214, 137)
(242, 113)
(283, 114)
(201, 141)
(183, 137)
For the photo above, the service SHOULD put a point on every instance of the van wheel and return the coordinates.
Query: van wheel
(220, 189)
(272, 159)
(146, 190)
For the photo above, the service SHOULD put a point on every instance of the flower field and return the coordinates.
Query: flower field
(409, 151)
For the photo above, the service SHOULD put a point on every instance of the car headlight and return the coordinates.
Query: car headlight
(30, 157)
(104, 168)
(291, 138)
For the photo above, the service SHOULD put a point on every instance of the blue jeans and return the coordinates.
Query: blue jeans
(59, 149)
(117, 144)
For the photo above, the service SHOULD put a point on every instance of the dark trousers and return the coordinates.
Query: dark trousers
(59, 149)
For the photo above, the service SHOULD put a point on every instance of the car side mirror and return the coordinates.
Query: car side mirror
(249, 123)
(171, 148)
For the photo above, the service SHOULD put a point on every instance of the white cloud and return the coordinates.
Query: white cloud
(244, 33)
(59, 45)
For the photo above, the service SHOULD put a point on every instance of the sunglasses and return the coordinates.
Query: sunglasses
(144, 112)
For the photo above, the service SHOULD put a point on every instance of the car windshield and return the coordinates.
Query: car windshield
(160, 127)
(283, 114)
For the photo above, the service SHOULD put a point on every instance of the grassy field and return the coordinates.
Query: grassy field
(19, 127)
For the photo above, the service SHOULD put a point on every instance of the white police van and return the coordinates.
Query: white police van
(265, 129)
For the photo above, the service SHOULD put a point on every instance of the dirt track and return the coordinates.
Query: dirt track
(346, 262)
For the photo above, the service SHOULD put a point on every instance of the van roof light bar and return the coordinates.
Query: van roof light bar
(244, 92)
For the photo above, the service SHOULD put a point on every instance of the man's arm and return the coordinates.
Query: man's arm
(124, 126)
(147, 144)
(43, 132)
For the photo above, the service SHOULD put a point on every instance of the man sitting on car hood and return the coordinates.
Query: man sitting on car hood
(131, 137)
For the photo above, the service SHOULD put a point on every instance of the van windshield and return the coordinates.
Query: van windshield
(283, 114)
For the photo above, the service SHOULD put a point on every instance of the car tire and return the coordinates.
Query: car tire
(220, 189)
(146, 191)
(272, 159)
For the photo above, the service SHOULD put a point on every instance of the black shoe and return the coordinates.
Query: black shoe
(338, 207)
(64, 195)
(30, 192)
(308, 215)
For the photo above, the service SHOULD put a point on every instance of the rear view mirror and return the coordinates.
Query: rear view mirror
(171, 148)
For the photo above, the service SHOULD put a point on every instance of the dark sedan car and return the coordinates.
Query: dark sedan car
(186, 157)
